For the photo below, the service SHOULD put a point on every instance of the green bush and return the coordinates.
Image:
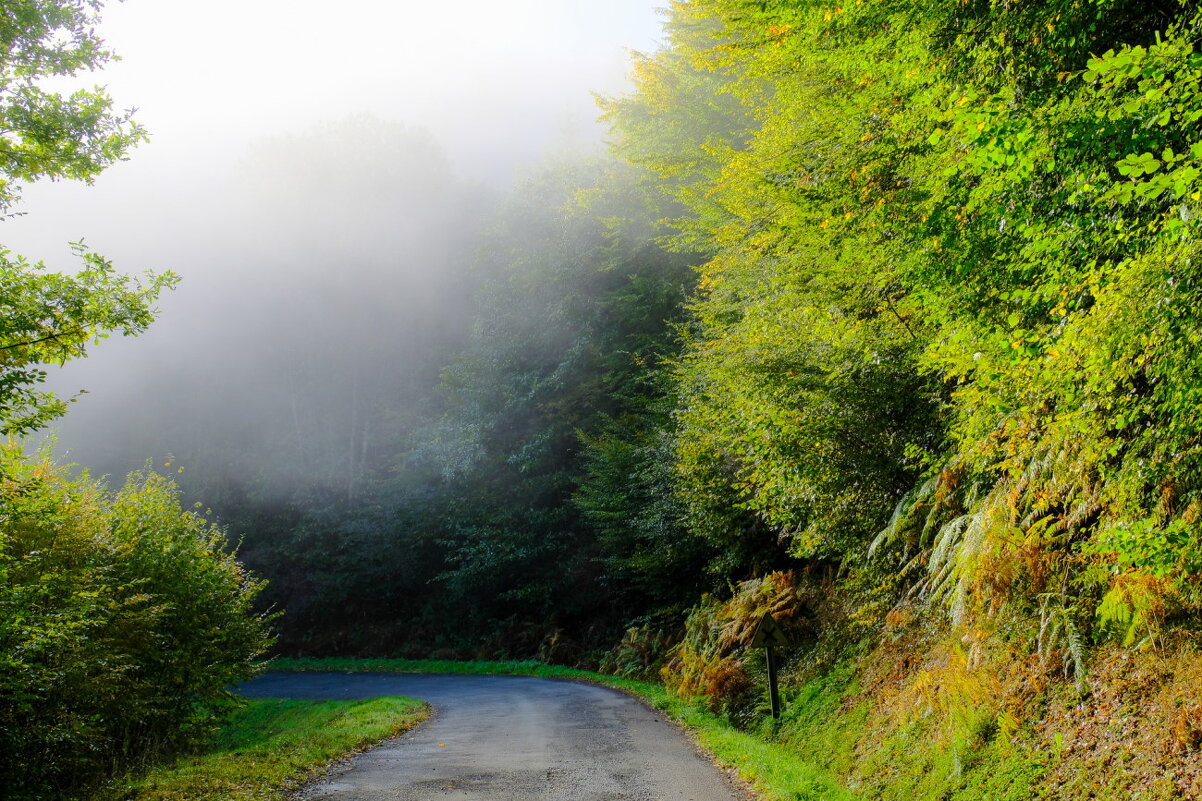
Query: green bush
(123, 621)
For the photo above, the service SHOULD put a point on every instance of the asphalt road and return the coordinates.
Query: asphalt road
(510, 738)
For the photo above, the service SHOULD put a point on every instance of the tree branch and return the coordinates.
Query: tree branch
(39, 340)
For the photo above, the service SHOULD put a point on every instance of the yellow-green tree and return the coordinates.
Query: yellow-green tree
(952, 289)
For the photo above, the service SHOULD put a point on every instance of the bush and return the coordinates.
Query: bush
(711, 663)
(124, 619)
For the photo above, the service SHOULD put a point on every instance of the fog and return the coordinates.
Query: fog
(317, 179)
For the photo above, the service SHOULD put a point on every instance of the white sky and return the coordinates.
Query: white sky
(497, 82)
(232, 68)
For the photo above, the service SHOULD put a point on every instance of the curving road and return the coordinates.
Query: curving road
(510, 738)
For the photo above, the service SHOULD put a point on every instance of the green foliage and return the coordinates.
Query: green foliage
(799, 395)
(952, 256)
(555, 396)
(48, 134)
(640, 653)
(713, 663)
(124, 619)
(44, 316)
(54, 317)
(627, 494)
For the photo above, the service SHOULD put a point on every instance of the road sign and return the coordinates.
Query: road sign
(768, 632)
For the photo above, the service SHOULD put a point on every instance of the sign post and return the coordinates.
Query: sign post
(768, 633)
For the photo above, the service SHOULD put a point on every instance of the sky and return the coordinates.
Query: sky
(283, 133)
(479, 73)
(497, 83)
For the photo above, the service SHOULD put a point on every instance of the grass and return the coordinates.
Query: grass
(513, 668)
(775, 771)
(272, 746)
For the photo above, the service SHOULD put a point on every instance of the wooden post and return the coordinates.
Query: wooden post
(773, 691)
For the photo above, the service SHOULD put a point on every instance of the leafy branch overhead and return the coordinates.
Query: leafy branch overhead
(51, 134)
(49, 317)
(53, 318)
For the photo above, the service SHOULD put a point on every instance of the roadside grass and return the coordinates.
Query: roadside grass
(272, 746)
(774, 771)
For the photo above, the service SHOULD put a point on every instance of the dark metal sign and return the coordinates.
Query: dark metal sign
(768, 632)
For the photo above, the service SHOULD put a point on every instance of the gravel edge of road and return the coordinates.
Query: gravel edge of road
(343, 763)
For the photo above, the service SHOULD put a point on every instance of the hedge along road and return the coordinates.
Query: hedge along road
(510, 738)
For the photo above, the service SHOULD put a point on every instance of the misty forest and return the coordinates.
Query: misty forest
(881, 318)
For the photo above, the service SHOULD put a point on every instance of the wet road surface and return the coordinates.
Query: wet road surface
(509, 738)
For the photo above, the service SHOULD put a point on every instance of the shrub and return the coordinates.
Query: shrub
(640, 654)
(711, 662)
(124, 619)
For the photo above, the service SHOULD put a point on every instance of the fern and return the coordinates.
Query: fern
(904, 518)
(1056, 629)
(1135, 605)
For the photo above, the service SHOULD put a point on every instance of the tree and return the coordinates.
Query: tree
(46, 316)
(799, 399)
(954, 275)
(124, 618)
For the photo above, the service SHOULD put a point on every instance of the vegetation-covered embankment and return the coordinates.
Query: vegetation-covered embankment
(900, 708)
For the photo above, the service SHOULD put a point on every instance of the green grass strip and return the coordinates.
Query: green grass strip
(272, 746)
(775, 771)
(514, 668)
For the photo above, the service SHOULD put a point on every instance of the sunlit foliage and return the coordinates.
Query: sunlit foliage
(951, 308)
(124, 619)
(49, 133)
